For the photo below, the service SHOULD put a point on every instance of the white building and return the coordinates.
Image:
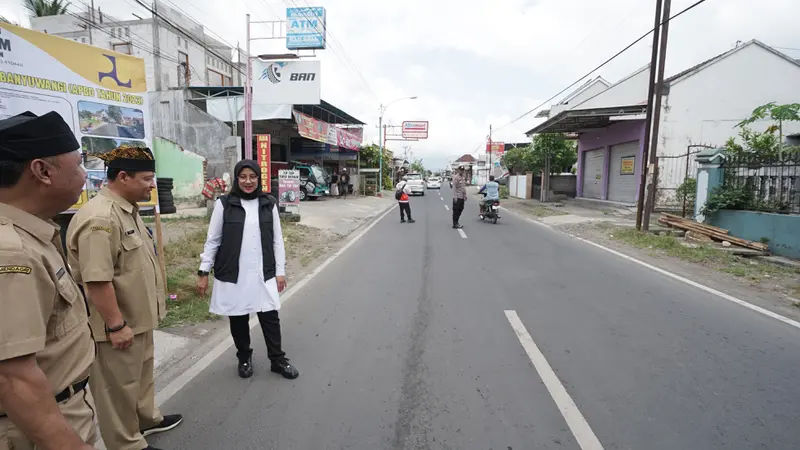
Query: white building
(178, 54)
(700, 106)
(188, 56)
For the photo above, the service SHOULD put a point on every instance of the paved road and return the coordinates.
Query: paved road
(404, 343)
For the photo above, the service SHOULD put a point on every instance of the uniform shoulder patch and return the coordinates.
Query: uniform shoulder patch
(25, 270)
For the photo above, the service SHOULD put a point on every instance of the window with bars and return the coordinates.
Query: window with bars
(184, 73)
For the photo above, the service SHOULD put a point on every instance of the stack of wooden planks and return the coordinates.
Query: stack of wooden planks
(716, 233)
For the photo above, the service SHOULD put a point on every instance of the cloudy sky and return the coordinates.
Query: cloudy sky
(486, 63)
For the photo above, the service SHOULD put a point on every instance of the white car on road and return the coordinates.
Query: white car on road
(434, 183)
(415, 183)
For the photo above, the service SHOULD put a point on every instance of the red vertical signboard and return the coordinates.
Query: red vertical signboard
(263, 154)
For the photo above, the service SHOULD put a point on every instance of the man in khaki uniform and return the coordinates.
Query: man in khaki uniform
(115, 260)
(46, 346)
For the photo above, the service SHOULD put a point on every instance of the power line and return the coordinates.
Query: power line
(699, 2)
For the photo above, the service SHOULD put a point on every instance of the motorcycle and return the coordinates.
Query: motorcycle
(491, 210)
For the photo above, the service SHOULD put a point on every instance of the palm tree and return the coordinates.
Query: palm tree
(41, 8)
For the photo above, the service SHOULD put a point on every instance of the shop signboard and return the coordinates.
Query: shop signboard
(263, 142)
(289, 190)
(495, 148)
(416, 129)
(101, 94)
(305, 28)
(347, 139)
(286, 82)
(628, 165)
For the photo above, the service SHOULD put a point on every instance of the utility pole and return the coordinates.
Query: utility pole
(248, 100)
(156, 47)
(91, 19)
(490, 150)
(649, 204)
(648, 117)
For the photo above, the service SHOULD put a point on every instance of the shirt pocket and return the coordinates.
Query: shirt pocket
(132, 257)
(66, 316)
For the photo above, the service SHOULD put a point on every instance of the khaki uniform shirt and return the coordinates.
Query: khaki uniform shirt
(43, 310)
(108, 242)
(459, 187)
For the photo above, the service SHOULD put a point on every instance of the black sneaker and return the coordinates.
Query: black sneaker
(412, 221)
(402, 220)
(457, 226)
(284, 368)
(246, 367)
(169, 423)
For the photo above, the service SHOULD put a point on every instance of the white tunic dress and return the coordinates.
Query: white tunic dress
(250, 294)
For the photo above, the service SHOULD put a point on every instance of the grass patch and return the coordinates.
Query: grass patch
(182, 257)
(703, 254)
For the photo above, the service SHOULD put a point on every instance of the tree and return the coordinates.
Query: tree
(42, 8)
(369, 158)
(418, 167)
(532, 158)
(778, 113)
(561, 151)
(115, 113)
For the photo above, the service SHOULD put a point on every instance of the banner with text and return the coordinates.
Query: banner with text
(289, 190)
(101, 94)
(319, 131)
(264, 153)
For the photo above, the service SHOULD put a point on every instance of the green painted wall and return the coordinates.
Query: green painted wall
(781, 231)
(184, 167)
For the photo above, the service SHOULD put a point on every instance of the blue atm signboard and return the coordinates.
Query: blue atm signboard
(305, 28)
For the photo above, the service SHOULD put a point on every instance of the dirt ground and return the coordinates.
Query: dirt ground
(184, 240)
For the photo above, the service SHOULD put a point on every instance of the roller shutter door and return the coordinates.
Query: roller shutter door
(593, 173)
(622, 179)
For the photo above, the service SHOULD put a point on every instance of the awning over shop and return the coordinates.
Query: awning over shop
(583, 120)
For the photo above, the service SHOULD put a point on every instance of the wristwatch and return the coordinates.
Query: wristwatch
(202, 273)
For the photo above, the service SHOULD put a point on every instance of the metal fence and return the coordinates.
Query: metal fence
(770, 184)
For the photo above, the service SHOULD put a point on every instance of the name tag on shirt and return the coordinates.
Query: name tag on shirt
(130, 232)
(60, 273)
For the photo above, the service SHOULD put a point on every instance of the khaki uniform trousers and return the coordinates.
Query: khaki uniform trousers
(124, 389)
(79, 412)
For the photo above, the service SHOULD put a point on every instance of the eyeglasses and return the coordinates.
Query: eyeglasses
(248, 177)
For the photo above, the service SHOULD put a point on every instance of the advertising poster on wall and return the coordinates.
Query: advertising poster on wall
(628, 165)
(263, 142)
(289, 190)
(101, 94)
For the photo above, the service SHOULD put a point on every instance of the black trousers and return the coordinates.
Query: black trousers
(405, 210)
(270, 327)
(458, 208)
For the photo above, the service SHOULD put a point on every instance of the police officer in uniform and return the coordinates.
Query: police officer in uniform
(46, 346)
(114, 258)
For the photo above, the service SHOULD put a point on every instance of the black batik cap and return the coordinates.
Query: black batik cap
(129, 157)
(26, 136)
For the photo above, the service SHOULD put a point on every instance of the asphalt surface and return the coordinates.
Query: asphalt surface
(403, 343)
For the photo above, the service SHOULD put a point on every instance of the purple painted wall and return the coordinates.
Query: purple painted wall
(618, 133)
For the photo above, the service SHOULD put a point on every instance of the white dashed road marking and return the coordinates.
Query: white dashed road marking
(461, 232)
(575, 420)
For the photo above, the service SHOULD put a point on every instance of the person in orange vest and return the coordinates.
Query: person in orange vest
(402, 193)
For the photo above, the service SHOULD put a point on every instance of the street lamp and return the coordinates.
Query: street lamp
(381, 137)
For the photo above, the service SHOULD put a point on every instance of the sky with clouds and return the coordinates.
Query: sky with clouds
(477, 63)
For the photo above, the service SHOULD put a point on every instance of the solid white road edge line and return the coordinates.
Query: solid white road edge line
(580, 428)
(674, 276)
(461, 232)
(183, 379)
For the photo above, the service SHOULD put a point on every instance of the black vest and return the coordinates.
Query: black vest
(226, 264)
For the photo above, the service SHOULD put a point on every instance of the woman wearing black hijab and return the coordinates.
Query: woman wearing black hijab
(245, 249)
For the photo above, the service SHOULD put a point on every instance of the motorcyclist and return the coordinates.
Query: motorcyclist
(491, 192)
